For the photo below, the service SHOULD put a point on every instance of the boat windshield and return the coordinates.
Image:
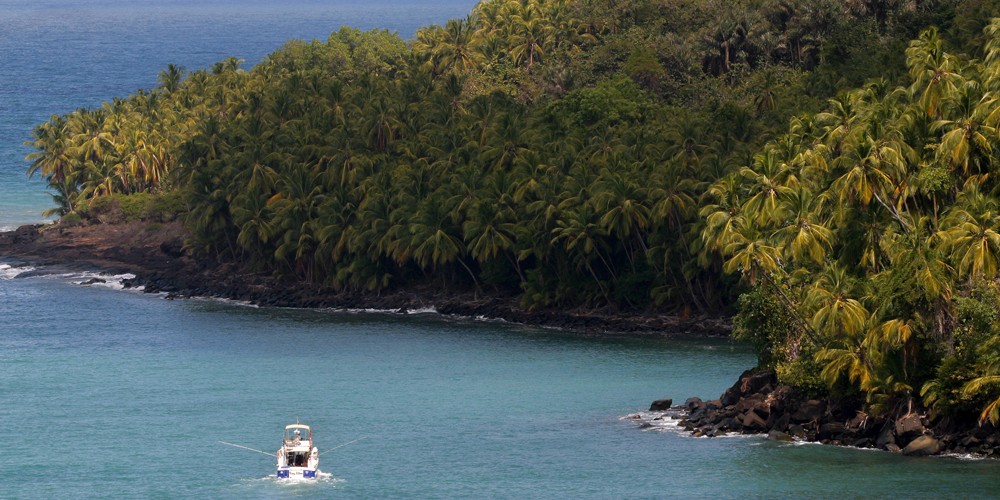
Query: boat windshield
(297, 432)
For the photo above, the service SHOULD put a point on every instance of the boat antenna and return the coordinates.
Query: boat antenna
(345, 444)
(247, 448)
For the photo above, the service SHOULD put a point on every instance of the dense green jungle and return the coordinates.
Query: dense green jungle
(823, 170)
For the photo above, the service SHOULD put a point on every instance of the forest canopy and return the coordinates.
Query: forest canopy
(824, 168)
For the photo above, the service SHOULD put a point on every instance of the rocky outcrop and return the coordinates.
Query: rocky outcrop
(661, 405)
(758, 404)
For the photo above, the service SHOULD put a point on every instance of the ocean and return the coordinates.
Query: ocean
(106, 392)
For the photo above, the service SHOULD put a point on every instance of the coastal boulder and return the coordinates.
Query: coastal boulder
(809, 411)
(661, 405)
(831, 430)
(885, 438)
(908, 427)
(692, 403)
(923, 446)
(752, 422)
(779, 422)
(749, 383)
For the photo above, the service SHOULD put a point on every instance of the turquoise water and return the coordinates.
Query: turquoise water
(109, 393)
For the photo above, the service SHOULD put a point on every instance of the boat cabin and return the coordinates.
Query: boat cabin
(297, 435)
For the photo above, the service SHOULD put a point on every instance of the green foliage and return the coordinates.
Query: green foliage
(105, 209)
(879, 209)
(803, 373)
(70, 219)
(610, 103)
(765, 324)
(644, 67)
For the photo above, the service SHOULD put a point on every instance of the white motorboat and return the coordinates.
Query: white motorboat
(298, 457)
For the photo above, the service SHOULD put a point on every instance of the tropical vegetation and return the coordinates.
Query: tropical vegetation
(799, 161)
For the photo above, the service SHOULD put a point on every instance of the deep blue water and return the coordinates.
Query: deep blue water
(60, 55)
(107, 393)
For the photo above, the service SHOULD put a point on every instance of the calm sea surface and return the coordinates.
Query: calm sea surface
(108, 393)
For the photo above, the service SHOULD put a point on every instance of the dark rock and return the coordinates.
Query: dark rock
(891, 447)
(797, 431)
(749, 402)
(749, 383)
(831, 430)
(923, 446)
(728, 423)
(863, 443)
(886, 438)
(858, 421)
(810, 411)
(779, 422)
(908, 427)
(753, 422)
(692, 403)
(93, 281)
(661, 405)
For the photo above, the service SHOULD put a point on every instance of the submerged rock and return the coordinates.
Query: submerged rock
(775, 435)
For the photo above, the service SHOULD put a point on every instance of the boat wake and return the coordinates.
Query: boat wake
(321, 478)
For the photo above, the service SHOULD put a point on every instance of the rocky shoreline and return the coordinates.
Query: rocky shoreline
(155, 254)
(758, 404)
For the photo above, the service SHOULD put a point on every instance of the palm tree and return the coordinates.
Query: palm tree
(970, 232)
(989, 380)
(804, 237)
(170, 78)
(932, 70)
(531, 36)
(836, 313)
(966, 141)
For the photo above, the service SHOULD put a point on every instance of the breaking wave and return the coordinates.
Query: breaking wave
(8, 272)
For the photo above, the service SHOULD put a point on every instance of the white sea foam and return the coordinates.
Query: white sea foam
(658, 421)
(670, 421)
(424, 310)
(10, 272)
(965, 456)
(112, 281)
(222, 300)
(371, 310)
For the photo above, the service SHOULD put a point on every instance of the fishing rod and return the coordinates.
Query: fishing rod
(248, 448)
(345, 444)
